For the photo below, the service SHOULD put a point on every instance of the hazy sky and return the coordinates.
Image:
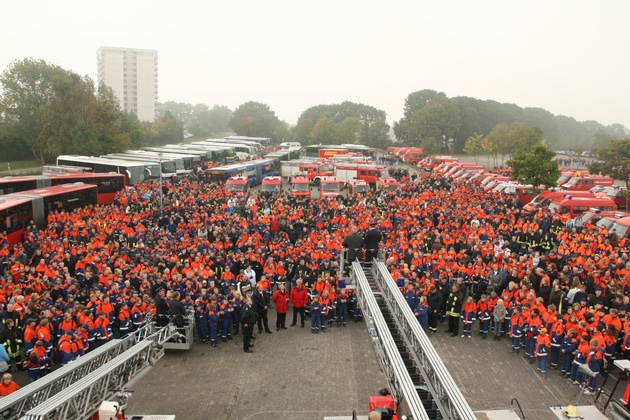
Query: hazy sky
(569, 57)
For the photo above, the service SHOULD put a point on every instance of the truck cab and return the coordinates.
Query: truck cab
(358, 186)
(272, 184)
(328, 186)
(238, 185)
(300, 187)
(387, 184)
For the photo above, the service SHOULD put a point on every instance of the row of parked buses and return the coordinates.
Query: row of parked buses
(18, 209)
(175, 159)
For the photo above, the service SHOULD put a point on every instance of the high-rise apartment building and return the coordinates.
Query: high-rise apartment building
(132, 74)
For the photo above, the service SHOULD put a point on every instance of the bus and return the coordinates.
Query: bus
(204, 155)
(185, 162)
(284, 155)
(264, 141)
(136, 172)
(255, 170)
(191, 161)
(107, 184)
(226, 154)
(168, 165)
(249, 151)
(18, 209)
(256, 145)
(313, 150)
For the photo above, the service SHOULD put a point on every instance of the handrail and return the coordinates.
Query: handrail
(518, 405)
(402, 387)
(446, 393)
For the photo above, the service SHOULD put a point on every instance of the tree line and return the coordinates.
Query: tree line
(46, 110)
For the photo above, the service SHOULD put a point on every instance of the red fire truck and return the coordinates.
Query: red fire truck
(300, 187)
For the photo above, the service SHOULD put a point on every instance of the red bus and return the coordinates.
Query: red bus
(108, 184)
(18, 209)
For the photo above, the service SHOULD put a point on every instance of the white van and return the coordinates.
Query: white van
(290, 145)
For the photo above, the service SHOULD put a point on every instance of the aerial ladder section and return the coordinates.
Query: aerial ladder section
(439, 381)
(431, 383)
(16, 405)
(401, 386)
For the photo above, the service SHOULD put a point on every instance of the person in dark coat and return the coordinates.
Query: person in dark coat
(177, 311)
(354, 244)
(161, 309)
(453, 310)
(371, 240)
(435, 306)
(261, 306)
(248, 319)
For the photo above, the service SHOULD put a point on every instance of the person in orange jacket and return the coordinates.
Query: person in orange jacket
(469, 311)
(45, 334)
(543, 344)
(8, 386)
(30, 335)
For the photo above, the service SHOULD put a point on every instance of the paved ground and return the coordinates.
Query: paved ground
(489, 376)
(292, 374)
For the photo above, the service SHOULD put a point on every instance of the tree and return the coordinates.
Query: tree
(415, 101)
(500, 139)
(439, 119)
(323, 132)
(536, 167)
(473, 146)
(165, 129)
(54, 111)
(352, 123)
(614, 160)
(430, 146)
(28, 88)
(523, 137)
(254, 119)
(488, 147)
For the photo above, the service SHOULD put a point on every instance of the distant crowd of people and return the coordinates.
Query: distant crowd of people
(457, 252)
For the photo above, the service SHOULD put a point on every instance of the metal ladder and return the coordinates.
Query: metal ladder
(431, 384)
(16, 405)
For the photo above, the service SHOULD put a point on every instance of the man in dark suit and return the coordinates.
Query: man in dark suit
(248, 319)
(161, 308)
(354, 243)
(372, 239)
(261, 306)
(177, 311)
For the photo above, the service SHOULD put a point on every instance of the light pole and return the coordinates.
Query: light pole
(161, 190)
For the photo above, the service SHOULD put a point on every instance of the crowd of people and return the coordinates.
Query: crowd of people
(458, 254)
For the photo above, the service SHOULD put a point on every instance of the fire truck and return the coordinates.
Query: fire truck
(312, 168)
(387, 184)
(328, 186)
(300, 187)
(358, 187)
(239, 185)
(347, 172)
(272, 184)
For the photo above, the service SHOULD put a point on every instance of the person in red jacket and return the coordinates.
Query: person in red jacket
(281, 299)
(299, 299)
